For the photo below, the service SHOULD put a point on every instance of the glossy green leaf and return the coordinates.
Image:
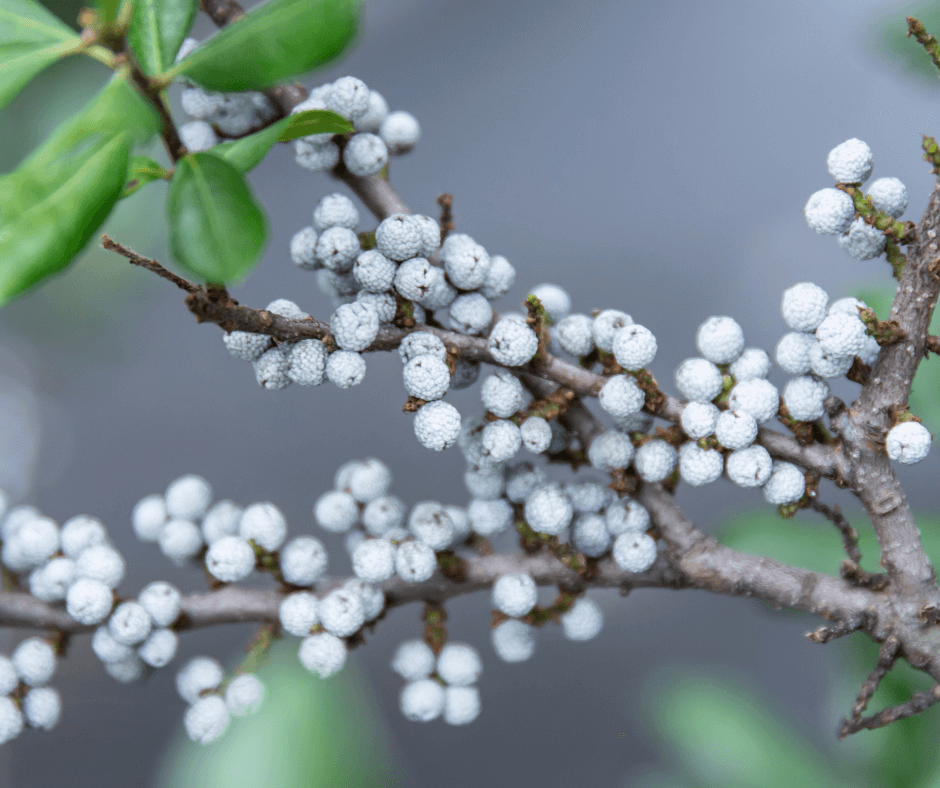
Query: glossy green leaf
(117, 110)
(61, 193)
(217, 231)
(246, 153)
(315, 121)
(276, 40)
(310, 732)
(157, 31)
(43, 238)
(726, 737)
(141, 171)
(31, 38)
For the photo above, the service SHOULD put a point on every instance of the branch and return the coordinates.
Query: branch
(918, 703)
(887, 656)
(849, 534)
(232, 604)
(151, 265)
(710, 566)
(863, 426)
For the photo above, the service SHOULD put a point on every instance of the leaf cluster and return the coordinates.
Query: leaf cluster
(57, 198)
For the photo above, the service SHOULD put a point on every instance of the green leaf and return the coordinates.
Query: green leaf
(117, 109)
(31, 38)
(315, 121)
(726, 737)
(247, 152)
(157, 31)
(276, 40)
(108, 10)
(43, 238)
(216, 230)
(53, 203)
(142, 170)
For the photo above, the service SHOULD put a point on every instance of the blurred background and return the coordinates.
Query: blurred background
(649, 157)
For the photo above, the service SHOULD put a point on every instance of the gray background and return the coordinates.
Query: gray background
(649, 157)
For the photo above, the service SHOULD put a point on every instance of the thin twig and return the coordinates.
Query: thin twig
(151, 265)
(851, 571)
(849, 534)
(446, 201)
(918, 703)
(916, 28)
(863, 621)
(887, 656)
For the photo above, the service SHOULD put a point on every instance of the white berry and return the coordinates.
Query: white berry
(634, 551)
(829, 211)
(850, 162)
(654, 460)
(750, 467)
(908, 442)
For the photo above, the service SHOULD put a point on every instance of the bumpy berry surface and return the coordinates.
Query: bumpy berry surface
(889, 195)
(850, 162)
(654, 460)
(829, 212)
(698, 379)
(908, 442)
(720, 340)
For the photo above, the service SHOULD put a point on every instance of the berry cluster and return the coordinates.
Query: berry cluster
(832, 211)
(217, 116)
(379, 133)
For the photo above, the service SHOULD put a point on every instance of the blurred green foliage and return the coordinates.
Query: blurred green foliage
(714, 731)
(889, 34)
(308, 733)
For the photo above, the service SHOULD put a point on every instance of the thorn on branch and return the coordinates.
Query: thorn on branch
(932, 344)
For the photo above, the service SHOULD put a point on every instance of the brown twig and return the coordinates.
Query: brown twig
(887, 656)
(151, 265)
(848, 533)
(446, 201)
(842, 627)
(917, 704)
